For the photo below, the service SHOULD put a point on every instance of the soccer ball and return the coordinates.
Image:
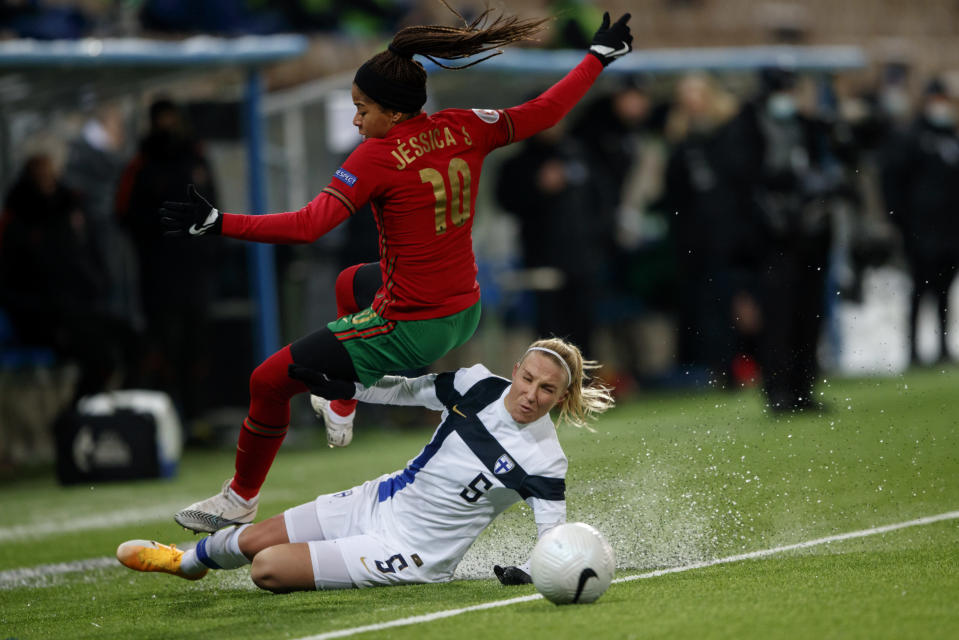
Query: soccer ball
(572, 563)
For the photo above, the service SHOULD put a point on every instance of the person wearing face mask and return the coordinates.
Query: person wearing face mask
(712, 238)
(920, 183)
(779, 162)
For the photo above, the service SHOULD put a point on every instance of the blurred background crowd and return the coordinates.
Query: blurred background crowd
(694, 229)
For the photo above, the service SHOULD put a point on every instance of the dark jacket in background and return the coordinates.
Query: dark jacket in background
(782, 169)
(920, 179)
(52, 285)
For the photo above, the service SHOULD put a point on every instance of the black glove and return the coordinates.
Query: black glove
(611, 42)
(511, 576)
(320, 384)
(194, 218)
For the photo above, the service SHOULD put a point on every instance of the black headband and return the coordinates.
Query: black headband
(389, 93)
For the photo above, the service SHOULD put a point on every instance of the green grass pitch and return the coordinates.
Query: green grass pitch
(671, 480)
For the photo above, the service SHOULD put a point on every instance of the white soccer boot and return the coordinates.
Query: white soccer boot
(339, 430)
(222, 510)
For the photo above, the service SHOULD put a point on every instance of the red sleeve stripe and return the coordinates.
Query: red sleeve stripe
(509, 126)
(342, 198)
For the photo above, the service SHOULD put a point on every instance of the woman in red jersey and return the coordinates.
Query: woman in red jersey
(420, 175)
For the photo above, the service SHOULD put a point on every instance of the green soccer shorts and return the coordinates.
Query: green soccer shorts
(378, 346)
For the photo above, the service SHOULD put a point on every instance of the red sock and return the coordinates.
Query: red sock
(343, 407)
(345, 305)
(266, 425)
(255, 450)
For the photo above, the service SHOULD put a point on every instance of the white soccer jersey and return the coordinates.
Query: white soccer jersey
(478, 463)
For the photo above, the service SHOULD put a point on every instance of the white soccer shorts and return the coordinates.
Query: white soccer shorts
(344, 548)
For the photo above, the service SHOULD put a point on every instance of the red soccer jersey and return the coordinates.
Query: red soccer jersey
(421, 181)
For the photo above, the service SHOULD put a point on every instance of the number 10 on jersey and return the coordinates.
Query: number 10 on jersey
(457, 195)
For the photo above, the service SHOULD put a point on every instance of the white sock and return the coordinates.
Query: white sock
(220, 550)
(190, 564)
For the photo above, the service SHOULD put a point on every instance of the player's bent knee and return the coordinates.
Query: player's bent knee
(262, 380)
(280, 570)
(271, 379)
(263, 572)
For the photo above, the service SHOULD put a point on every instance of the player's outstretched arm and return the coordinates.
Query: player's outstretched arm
(197, 217)
(389, 390)
(399, 391)
(610, 42)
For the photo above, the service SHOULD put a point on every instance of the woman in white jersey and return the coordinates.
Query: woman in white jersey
(495, 445)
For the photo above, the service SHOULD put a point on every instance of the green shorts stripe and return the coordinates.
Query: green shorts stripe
(379, 347)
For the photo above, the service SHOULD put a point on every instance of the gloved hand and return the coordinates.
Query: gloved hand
(511, 576)
(320, 384)
(611, 42)
(194, 218)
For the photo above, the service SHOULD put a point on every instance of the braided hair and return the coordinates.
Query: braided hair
(394, 80)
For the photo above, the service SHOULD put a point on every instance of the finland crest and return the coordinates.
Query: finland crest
(504, 464)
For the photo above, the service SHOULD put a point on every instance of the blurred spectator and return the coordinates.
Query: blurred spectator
(92, 171)
(625, 166)
(51, 283)
(779, 165)
(210, 16)
(895, 105)
(608, 130)
(35, 19)
(553, 192)
(358, 17)
(921, 187)
(177, 276)
(713, 239)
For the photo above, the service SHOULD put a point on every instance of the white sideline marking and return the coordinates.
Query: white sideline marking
(14, 577)
(951, 515)
(438, 615)
(104, 521)
(107, 520)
